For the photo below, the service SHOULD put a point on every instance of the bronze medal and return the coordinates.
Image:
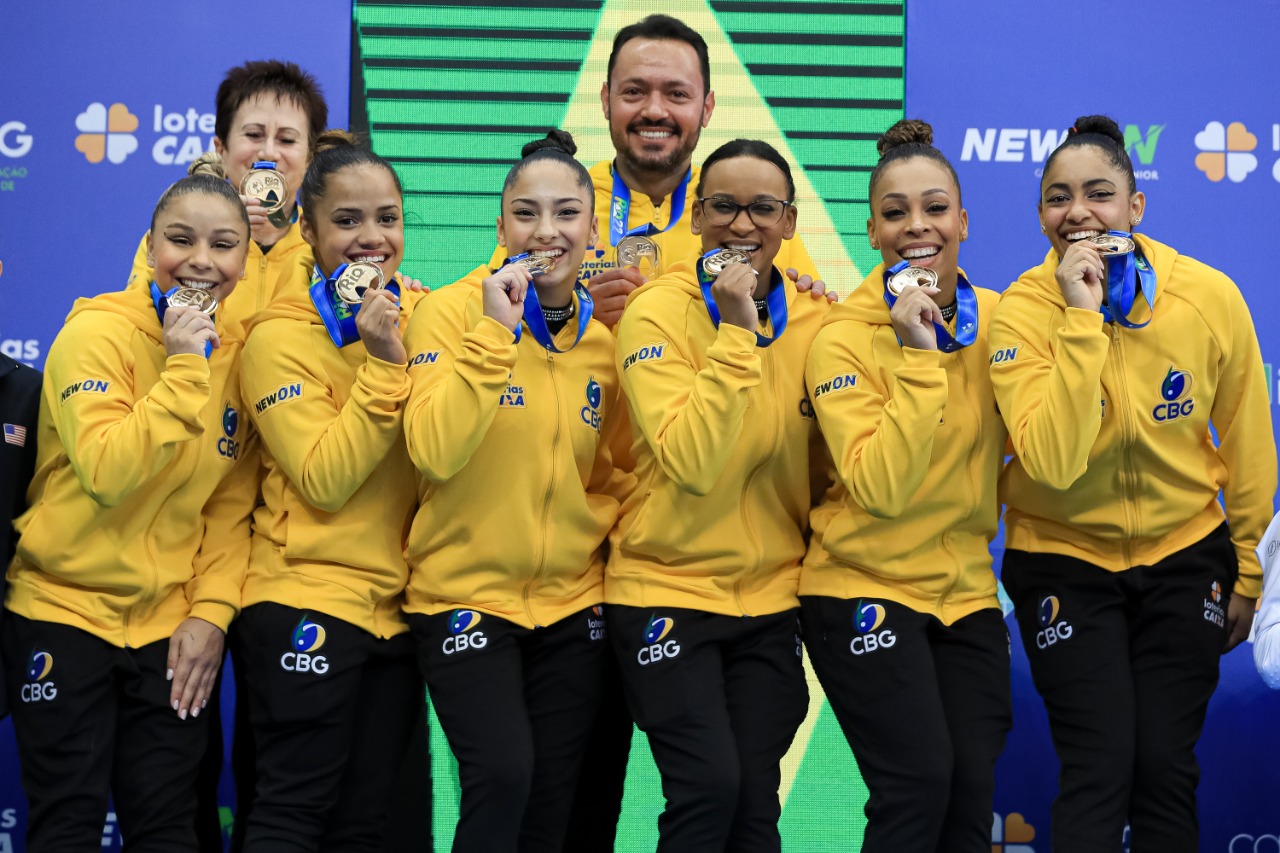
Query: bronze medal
(268, 187)
(1110, 244)
(355, 280)
(194, 297)
(717, 263)
(536, 265)
(636, 248)
(918, 276)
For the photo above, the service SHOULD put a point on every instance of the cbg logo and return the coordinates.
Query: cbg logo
(14, 140)
(1049, 632)
(106, 133)
(37, 689)
(308, 637)
(1011, 834)
(462, 632)
(1225, 151)
(655, 633)
(591, 411)
(1175, 391)
(228, 447)
(867, 619)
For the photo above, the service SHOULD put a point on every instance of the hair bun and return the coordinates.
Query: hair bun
(907, 131)
(209, 163)
(334, 138)
(1101, 125)
(561, 140)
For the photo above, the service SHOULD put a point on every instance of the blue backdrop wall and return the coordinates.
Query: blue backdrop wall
(100, 109)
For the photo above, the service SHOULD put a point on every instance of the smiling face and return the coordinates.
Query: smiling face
(744, 180)
(657, 104)
(358, 218)
(1084, 195)
(916, 216)
(266, 127)
(199, 240)
(548, 213)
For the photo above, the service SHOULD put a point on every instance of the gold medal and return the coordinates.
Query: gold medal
(193, 297)
(267, 186)
(535, 264)
(918, 276)
(1109, 244)
(716, 264)
(355, 280)
(636, 248)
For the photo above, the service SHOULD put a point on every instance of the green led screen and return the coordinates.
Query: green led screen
(450, 91)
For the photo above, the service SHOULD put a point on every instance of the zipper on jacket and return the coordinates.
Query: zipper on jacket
(546, 499)
(262, 279)
(944, 539)
(1127, 433)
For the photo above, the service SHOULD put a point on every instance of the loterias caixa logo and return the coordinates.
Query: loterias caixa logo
(111, 133)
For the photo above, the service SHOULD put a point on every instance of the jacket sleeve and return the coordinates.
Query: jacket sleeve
(327, 451)
(1046, 370)
(1241, 417)
(691, 419)
(880, 442)
(1266, 625)
(115, 443)
(222, 562)
(458, 372)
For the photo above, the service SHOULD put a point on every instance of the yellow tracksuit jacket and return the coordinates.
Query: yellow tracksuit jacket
(918, 446)
(140, 505)
(722, 454)
(1114, 460)
(339, 490)
(517, 489)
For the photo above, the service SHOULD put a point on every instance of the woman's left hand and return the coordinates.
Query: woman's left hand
(815, 288)
(414, 285)
(195, 656)
(1239, 620)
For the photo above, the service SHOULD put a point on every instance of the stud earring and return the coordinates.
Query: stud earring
(1043, 230)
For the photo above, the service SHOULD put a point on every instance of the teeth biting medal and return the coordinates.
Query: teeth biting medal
(193, 297)
(919, 276)
(1112, 244)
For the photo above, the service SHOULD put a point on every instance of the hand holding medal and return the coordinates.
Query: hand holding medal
(265, 194)
(187, 330)
(914, 313)
(378, 323)
(734, 288)
(504, 294)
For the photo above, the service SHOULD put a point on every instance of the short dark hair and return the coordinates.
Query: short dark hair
(1104, 134)
(335, 150)
(757, 148)
(658, 28)
(285, 80)
(557, 145)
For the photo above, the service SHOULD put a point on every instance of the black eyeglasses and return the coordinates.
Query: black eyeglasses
(765, 213)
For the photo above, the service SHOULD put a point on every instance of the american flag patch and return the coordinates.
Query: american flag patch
(14, 434)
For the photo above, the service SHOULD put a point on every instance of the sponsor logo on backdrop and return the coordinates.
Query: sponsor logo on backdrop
(15, 142)
(106, 133)
(1022, 144)
(1011, 834)
(1226, 152)
(21, 350)
(1246, 843)
(112, 133)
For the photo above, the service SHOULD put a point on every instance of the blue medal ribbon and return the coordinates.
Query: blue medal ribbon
(620, 210)
(338, 317)
(1125, 275)
(537, 323)
(161, 301)
(776, 300)
(966, 311)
